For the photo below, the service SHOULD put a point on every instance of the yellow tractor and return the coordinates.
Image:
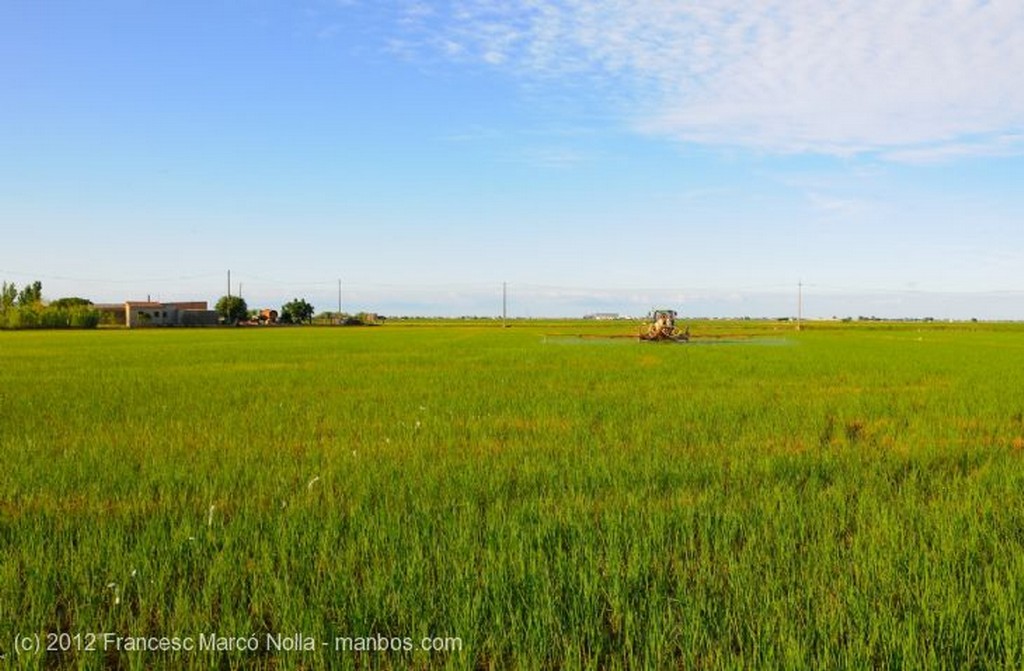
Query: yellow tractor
(661, 327)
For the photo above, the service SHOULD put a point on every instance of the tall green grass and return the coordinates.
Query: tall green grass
(837, 497)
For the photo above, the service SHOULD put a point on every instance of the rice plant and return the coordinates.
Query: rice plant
(470, 497)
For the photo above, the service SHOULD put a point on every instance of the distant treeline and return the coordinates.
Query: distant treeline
(25, 309)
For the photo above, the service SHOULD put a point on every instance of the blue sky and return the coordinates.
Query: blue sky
(596, 156)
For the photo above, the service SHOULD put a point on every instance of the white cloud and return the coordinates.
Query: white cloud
(994, 146)
(329, 32)
(831, 207)
(553, 157)
(911, 80)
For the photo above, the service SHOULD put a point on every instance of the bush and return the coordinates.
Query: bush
(84, 318)
(50, 317)
(53, 318)
(23, 318)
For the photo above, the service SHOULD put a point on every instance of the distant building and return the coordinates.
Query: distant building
(602, 315)
(151, 313)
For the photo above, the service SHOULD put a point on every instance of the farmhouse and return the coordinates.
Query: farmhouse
(151, 313)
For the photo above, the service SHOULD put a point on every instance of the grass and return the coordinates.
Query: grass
(845, 496)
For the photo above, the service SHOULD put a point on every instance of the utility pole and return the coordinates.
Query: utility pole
(339, 298)
(229, 284)
(504, 304)
(799, 304)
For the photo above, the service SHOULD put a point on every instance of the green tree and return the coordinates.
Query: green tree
(8, 296)
(25, 310)
(297, 311)
(70, 302)
(232, 309)
(31, 294)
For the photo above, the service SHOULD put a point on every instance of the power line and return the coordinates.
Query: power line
(97, 280)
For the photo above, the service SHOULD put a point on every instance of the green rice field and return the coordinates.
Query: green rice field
(459, 495)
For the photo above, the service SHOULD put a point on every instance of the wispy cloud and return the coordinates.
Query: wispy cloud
(832, 208)
(995, 145)
(329, 32)
(918, 80)
(553, 157)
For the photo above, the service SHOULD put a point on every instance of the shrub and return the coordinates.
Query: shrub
(50, 317)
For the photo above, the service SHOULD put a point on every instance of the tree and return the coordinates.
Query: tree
(296, 311)
(31, 294)
(25, 310)
(70, 312)
(70, 302)
(8, 296)
(232, 309)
